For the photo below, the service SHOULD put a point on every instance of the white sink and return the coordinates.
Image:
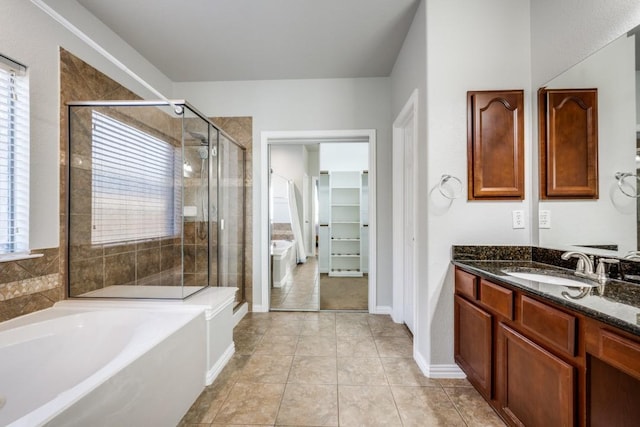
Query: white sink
(549, 279)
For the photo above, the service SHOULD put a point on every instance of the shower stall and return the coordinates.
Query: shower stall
(156, 202)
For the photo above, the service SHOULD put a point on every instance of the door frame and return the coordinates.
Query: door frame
(313, 137)
(408, 112)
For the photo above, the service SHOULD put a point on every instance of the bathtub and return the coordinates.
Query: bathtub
(81, 366)
(283, 261)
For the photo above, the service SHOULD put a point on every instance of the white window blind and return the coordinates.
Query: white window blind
(14, 157)
(134, 189)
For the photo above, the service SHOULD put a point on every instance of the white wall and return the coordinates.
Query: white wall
(564, 32)
(344, 156)
(487, 48)
(30, 36)
(612, 218)
(322, 104)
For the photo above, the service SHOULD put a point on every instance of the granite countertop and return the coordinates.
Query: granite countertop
(619, 305)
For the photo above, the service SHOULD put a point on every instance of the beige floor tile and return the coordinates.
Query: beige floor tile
(356, 346)
(320, 315)
(290, 328)
(473, 408)
(425, 406)
(279, 344)
(313, 370)
(352, 328)
(266, 368)
(251, 404)
(389, 330)
(361, 371)
(205, 408)
(318, 327)
(454, 382)
(309, 405)
(367, 406)
(246, 343)
(405, 371)
(252, 326)
(312, 345)
(394, 346)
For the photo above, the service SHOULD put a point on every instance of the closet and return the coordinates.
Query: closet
(343, 215)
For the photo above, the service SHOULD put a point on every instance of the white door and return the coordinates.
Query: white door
(409, 226)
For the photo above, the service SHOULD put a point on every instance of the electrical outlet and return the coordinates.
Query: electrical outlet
(518, 219)
(544, 219)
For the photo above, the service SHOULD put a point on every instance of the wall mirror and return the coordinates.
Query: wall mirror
(610, 223)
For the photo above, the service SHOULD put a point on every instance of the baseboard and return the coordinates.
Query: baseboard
(257, 308)
(239, 313)
(217, 367)
(383, 309)
(445, 371)
(437, 371)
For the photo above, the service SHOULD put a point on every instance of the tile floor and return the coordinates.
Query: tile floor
(301, 292)
(331, 369)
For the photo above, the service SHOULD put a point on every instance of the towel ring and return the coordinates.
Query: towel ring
(621, 177)
(455, 191)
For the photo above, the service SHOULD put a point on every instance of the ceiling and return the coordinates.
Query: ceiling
(220, 40)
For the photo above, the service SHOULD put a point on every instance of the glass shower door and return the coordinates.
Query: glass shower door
(231, 199)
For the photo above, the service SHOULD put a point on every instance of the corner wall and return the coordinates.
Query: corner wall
(487, 48)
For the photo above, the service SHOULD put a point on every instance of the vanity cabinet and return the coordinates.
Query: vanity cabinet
(542, 364)
(536, 387)
(568, 133)
(495, 145)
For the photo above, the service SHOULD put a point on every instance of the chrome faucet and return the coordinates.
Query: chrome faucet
(584, 267)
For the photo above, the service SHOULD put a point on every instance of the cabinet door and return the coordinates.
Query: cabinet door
(472, 344)
(495, 144)
(568, 131)
(535, 388)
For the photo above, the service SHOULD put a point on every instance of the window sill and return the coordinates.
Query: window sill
(18, 257)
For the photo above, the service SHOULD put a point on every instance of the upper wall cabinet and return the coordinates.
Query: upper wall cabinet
(568, 120)
(495, 145)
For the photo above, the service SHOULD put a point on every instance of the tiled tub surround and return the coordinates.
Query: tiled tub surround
(618, 306)
(29, 285)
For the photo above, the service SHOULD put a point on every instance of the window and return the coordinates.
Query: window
(134, 183)
(14, 157)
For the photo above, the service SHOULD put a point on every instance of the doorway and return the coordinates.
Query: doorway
(307, 213)
(405, 132)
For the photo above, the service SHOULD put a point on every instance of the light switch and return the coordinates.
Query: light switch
(544, 219)
(518, 219)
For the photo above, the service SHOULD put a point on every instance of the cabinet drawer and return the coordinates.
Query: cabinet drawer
(548, 324)
(497, 298)
(620, 352)
(466, 284)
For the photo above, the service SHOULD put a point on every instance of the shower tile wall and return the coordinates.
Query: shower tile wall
(149, 262)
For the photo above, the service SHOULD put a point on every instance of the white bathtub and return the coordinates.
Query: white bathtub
(283, 261)
(101, 367)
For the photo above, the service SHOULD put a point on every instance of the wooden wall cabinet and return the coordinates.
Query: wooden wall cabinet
(568, 134)
(495, 145)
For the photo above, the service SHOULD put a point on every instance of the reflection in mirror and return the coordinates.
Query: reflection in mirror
(611, 222)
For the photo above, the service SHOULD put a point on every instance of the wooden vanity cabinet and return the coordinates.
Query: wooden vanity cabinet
(519, 352)
(542, 364)
(536, 388)
(473, 344)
